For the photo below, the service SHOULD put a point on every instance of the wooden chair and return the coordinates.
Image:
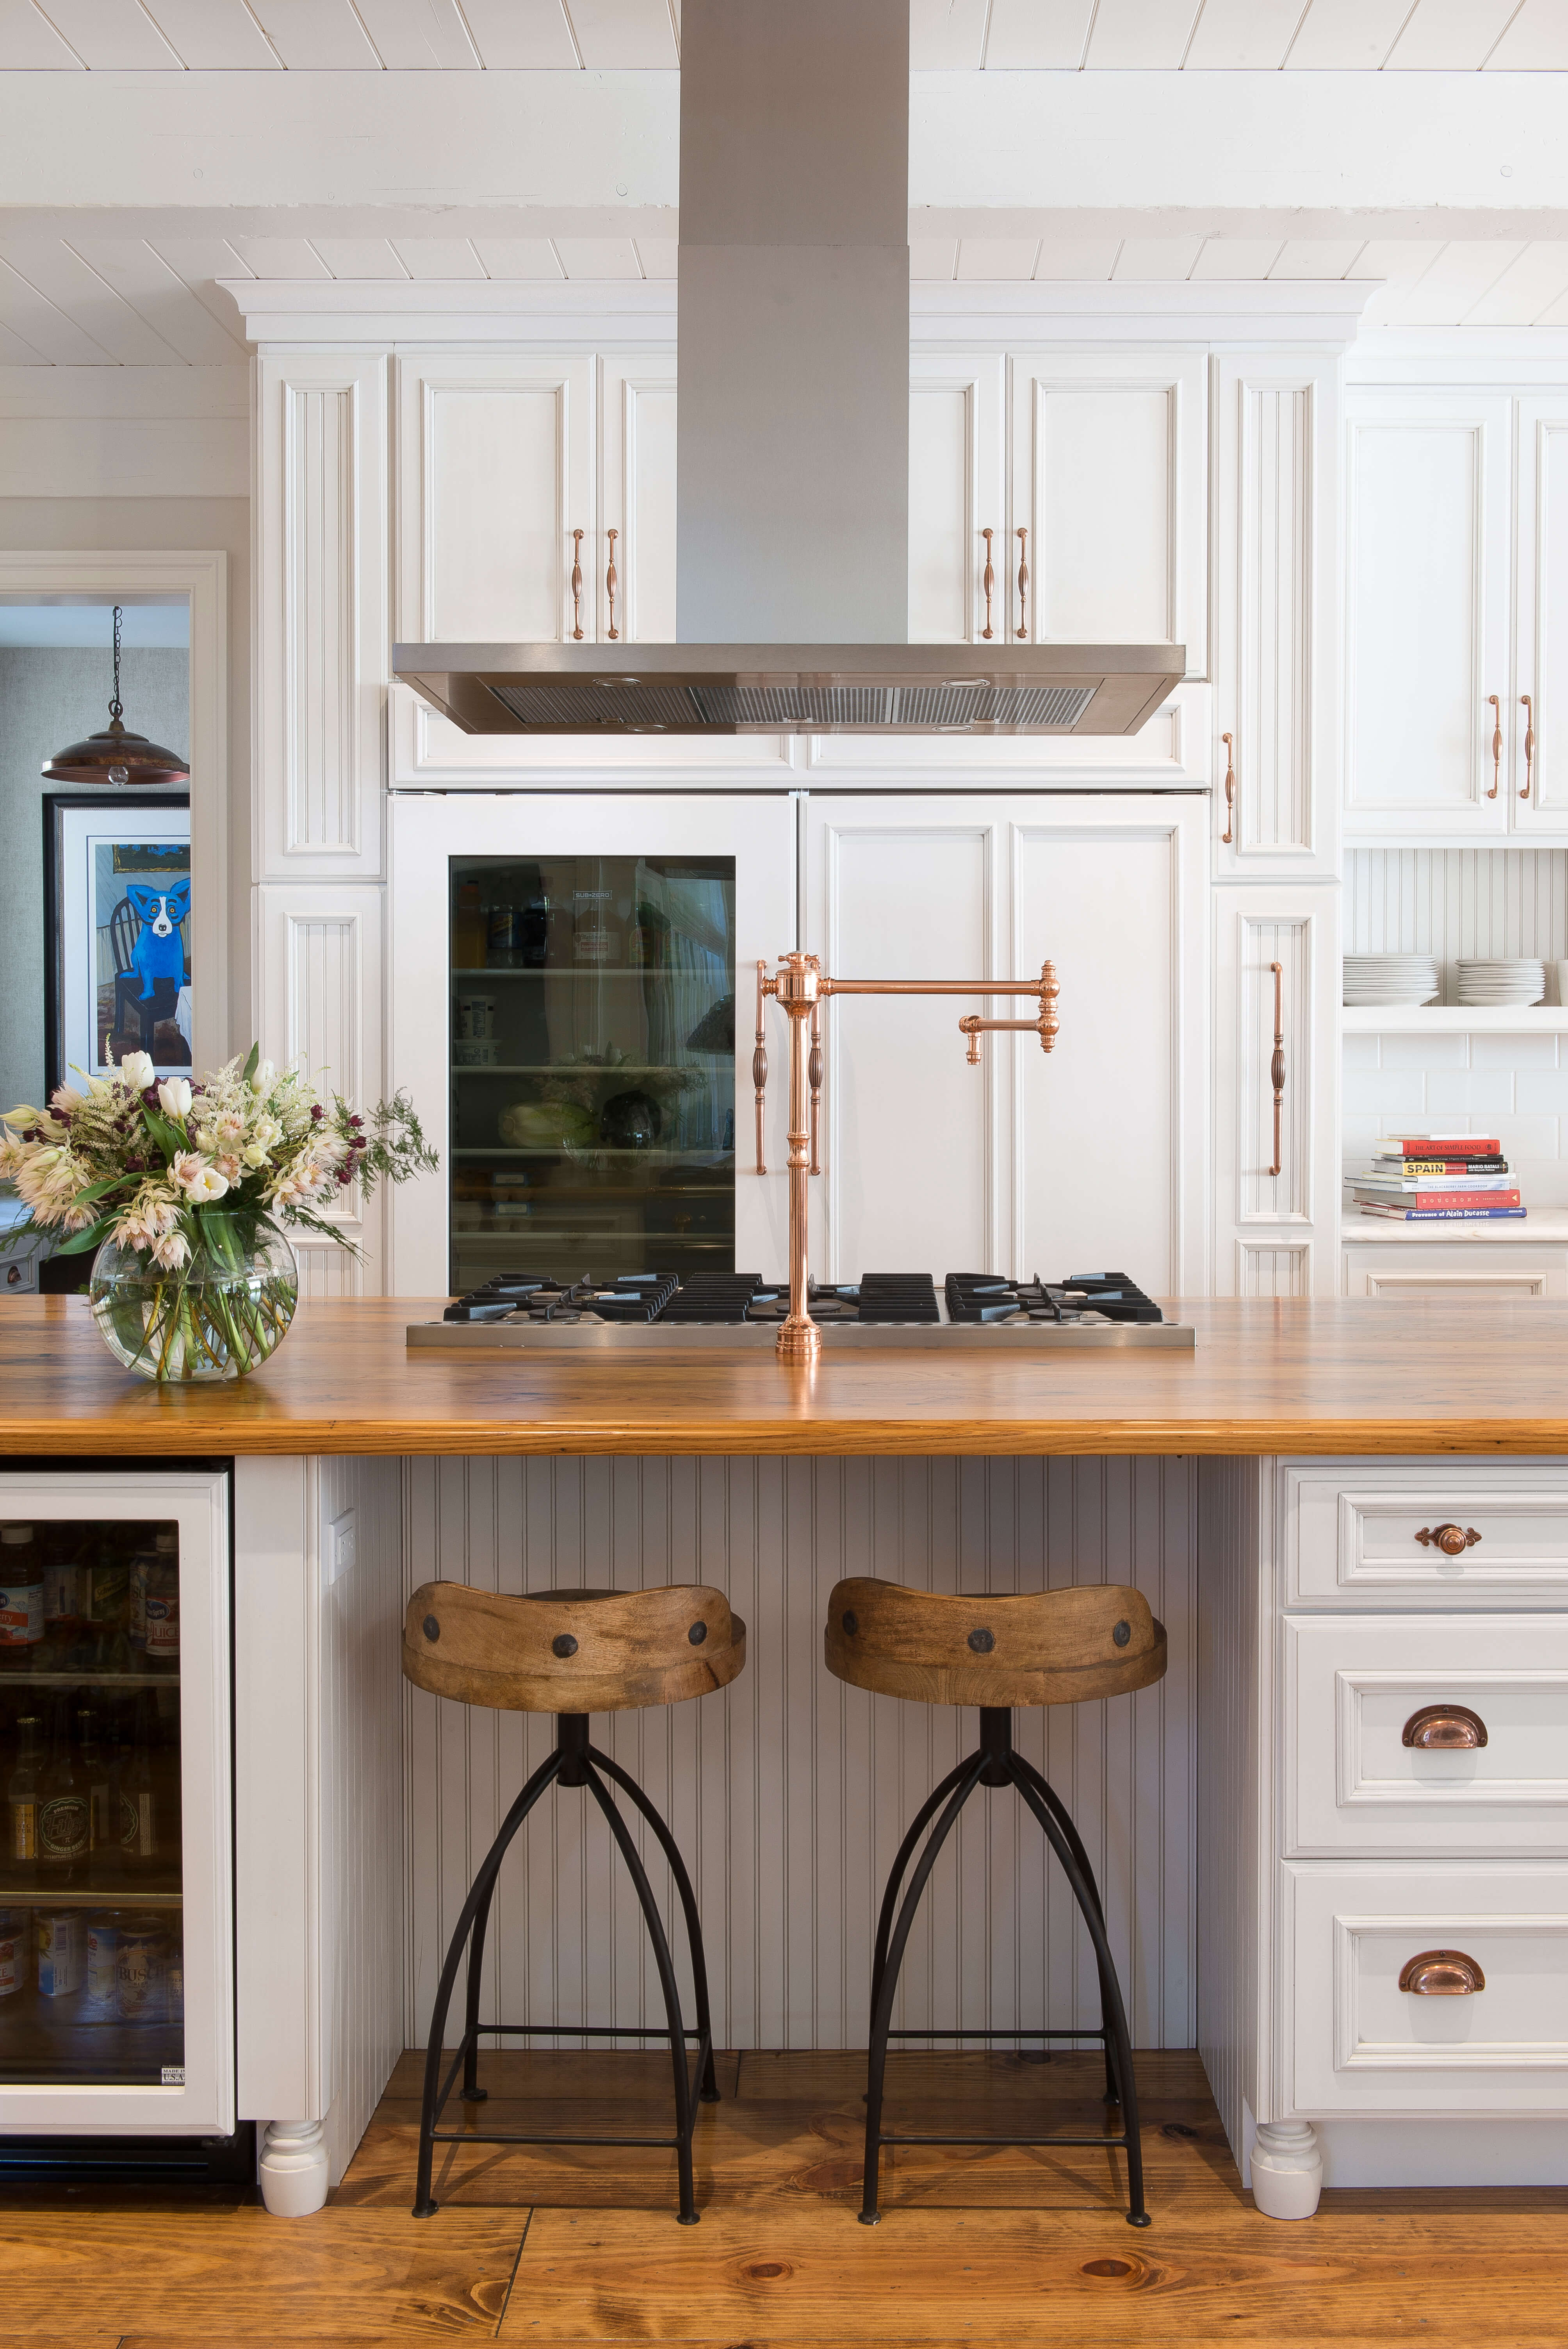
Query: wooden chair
(571, 1652)
(1054, 1647)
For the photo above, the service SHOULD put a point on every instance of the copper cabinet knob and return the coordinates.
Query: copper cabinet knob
(1442, 1974)
(1445, 1728)
(1449, 1538)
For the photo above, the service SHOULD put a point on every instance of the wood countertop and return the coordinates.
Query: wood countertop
(1353, 1375)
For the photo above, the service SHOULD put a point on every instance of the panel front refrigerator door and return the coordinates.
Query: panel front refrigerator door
(117, 2003)
(573, 993)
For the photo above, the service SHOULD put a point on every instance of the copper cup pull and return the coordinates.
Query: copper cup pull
(1451, 1539)
(1276, 1070)
(1496, 744)
(611, 584)
(1529, 746)
(1442, 1974)
(1444, 1729)
(759, 1065)
(1023, 583)
(988, 581)
(1230, 787)
(577, 586)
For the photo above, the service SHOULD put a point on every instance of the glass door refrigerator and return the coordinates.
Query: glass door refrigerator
(116, 2010)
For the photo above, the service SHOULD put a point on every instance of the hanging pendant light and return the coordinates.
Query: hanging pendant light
(115, 756)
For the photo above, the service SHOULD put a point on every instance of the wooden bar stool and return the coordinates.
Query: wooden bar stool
(572, 1653)
(1054, 1647)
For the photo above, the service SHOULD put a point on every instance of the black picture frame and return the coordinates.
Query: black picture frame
(57, 944)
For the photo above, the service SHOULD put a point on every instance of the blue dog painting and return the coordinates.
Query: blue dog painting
(159, 950)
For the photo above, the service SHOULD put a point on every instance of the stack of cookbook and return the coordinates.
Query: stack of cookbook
(1438, 1178)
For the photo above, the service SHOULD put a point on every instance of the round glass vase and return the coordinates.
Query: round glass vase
(225, 1309)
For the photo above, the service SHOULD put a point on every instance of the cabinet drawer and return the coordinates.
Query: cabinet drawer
(1352, 1531)
(1356, 1684)
(1356, 2042)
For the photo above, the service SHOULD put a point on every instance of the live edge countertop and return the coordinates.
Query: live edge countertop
(1353, 1375)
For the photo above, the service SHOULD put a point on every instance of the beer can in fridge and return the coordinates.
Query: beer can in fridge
(141, 1964)
(60, 1938)
(12, 1951)
(103, 1961)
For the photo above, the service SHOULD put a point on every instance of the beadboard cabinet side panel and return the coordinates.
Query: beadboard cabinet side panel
(1276, 654)
(789, 1792)
(1231, 1820)
(321, 613)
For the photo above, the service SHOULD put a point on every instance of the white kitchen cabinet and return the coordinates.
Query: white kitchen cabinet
(757, 830)
(1538, 773)
(1522, 1269)
(1028, 1164)
(1109, 475)
(1277, 600)
(495, 475)
(634, 569)
(957, 499)
(1276, 1177)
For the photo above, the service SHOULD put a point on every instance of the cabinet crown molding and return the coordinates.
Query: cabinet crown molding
(288, 313)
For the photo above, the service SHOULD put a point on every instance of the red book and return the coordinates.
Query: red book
(1440, 1145)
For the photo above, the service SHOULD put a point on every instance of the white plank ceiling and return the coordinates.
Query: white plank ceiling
(106, 301)
(397, 36)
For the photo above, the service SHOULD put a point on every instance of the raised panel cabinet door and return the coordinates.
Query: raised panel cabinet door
(958, 501)
(495, 478)
(1429, 713)
(1276, 650)
(1109, 480)
(634, 569)
(1029, 1159)
(1276, 1184)
(1538, 776)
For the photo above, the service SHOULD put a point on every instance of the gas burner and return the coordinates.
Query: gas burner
(1091, 1296)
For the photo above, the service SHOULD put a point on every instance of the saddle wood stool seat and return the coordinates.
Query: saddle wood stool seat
(572, 1653)
(1053, 1646)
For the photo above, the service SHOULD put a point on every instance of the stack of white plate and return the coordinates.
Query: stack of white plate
(1390, 978)
(1501, 982)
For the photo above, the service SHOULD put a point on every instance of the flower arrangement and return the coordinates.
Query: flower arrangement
(184, 1188)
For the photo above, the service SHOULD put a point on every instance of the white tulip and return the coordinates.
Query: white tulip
(174, 1097)
(137, 1071)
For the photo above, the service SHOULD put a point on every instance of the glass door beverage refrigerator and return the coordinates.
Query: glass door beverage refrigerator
(116, 2008)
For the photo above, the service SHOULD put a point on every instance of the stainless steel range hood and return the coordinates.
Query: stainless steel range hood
(792, 453)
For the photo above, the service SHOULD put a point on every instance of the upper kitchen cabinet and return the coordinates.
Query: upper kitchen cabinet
(1429, 710)
(957, 499)
(495, 506)
(1108, 535)
(1276, 650)
(1539, 771)
(634, 552)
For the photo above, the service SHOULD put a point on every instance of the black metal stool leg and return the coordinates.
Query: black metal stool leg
(471, 2092)
(1110, 1989)
(969, 1776)
(672, 1852)
(685, 2118)
(479, 1891)
(902, 1858)
(1063, 1816)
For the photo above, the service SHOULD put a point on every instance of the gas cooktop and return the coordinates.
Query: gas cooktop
(659, 1311)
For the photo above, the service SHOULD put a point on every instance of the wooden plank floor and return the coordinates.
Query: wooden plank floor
(567, 2247)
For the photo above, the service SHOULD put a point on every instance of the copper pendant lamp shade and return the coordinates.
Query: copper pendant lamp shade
(115, 756)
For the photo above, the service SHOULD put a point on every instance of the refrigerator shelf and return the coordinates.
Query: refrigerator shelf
(92, 1896)
(84, 1676)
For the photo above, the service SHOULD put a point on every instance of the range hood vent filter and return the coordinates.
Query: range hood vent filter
(632, 706)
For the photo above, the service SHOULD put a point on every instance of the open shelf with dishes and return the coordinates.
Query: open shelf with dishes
(592, 1064)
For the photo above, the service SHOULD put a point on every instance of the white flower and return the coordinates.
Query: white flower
(137, 1071)
(228, 1127)
(228, 1166)
(254, 1155)
(200, 1181)
(65, 1097)
(204, 1138)
(171, 1252)
(174, 1097)
(265, 1078)
(21, 1116)
(266, 1130)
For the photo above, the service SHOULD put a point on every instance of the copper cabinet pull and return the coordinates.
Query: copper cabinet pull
(1276, 1069)
(1229, 791)
(1022, 582)
(1442, 1974)
(988, 581)
(577, 586)
(1529, 746)
(1496, 743)
(760, 1064)
(814, 1073)
(1449, 1538)
(611, 584)
(1444, 1729)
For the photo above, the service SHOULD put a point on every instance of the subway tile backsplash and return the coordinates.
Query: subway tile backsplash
(1513, 1086)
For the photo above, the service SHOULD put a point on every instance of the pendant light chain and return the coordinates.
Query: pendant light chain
(115, 708)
